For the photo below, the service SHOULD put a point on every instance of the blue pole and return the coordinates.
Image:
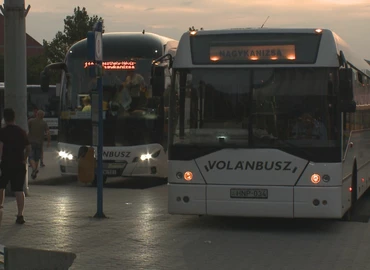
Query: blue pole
(100, 148)
(98, 62)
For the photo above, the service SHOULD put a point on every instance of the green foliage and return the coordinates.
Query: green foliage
(35, 64)
(56, 49)
(75, 29)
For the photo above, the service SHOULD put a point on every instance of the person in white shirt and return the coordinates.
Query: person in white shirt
(131, 93)
(134, 83)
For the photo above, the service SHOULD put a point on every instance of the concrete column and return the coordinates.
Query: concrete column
(15, 67)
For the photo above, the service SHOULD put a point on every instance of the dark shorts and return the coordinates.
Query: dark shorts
(36, 152)
(15, 174)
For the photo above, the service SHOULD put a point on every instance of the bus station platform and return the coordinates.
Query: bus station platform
(138, 233)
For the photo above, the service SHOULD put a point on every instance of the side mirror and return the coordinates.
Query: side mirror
(170, 65)
(158, 80)
(345, 84)
(45, 81)
(345, 95)
(158, 75)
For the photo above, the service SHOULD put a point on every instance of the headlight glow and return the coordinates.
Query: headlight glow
(65, 155)
(146, 157)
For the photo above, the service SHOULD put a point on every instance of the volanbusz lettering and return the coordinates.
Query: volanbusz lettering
(250, 166)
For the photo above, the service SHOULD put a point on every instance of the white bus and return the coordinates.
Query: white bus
(135, 139)
(39, 100)
(264, 124)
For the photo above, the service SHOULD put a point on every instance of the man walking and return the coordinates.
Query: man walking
(14, 150)
(37, 128)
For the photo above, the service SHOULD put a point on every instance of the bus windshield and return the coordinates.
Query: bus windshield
(130, 112)
(115, 73)
(271, 108)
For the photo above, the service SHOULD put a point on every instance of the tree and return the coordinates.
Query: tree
(35, 64)
(55, 50)
(75, 29)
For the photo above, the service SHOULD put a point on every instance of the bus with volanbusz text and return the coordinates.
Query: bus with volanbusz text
(133, 103)
(268, 123)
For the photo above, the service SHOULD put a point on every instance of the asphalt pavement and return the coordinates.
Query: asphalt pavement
(140, 234)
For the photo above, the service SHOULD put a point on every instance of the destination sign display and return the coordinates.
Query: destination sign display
(123, 65)
(252, 53)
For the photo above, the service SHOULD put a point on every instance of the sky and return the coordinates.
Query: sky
(350, 19)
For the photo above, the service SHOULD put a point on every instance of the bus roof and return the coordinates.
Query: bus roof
(132, 44)
(330, 46)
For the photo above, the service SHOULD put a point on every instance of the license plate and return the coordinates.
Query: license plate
(249, 193)
(110, 172)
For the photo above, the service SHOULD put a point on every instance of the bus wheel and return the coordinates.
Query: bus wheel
(348, 215)
(95, 182)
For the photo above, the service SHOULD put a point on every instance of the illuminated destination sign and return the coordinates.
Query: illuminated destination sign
(114, 65)
(252, 53)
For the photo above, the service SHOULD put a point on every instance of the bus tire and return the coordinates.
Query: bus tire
(348, 215)
(95, 182)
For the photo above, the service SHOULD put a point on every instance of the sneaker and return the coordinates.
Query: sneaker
(34, 174)
(20, 220)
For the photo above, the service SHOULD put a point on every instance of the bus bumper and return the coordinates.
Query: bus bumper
(68, 167)
(318, 202)
(187, 199)
(284, 202)
(157, 169)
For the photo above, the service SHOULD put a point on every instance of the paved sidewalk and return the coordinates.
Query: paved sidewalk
(139, 234)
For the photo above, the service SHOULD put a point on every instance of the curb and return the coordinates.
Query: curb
(54, 181)
(16, 258)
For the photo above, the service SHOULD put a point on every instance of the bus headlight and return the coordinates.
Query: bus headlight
(65, 155)
(150, 156)
(146, 157)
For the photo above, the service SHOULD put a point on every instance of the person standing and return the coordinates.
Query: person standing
(37, 128)
(14, 151)
(87, 104)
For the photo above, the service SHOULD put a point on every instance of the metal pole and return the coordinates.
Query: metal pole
(15, 62)
(98, 57)
(100, 149)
